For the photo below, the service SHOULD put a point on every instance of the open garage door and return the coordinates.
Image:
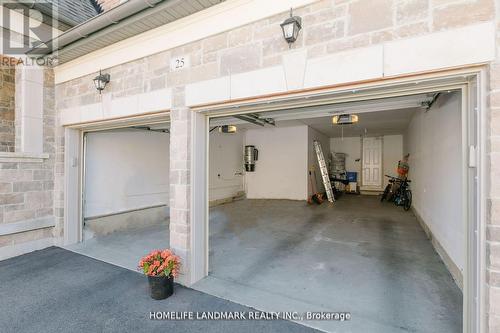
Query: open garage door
(125, 193)
(272, 247)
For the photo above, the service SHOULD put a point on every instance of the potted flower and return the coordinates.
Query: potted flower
(161, 267)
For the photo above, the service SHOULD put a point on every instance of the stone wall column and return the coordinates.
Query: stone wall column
(493, 204)
(180, 188)
(7, 109)
(29, 108)
(493, 221)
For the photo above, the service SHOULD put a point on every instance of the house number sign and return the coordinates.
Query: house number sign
(178, 63)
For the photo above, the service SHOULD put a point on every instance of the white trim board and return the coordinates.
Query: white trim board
(109, 108)
(23, 157)
(451, 48)
(28, 225)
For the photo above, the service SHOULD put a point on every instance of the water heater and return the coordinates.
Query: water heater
(251, 155)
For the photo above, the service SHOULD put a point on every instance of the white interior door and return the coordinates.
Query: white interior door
(372, 162)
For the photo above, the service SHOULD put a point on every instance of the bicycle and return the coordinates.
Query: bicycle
(402, 196)
(388, 189)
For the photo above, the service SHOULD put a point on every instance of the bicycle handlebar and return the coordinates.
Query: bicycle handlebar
(398, 179)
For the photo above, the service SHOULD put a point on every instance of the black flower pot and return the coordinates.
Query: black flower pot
(161, 287)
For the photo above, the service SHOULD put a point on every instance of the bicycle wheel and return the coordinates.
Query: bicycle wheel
(386, 192)
(407, 203)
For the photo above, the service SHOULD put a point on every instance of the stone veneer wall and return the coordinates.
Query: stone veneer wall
(330, 26)
(7, 109)
(493, 204)
(27, 184)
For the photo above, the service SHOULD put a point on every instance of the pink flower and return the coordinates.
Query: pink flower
(159, 261)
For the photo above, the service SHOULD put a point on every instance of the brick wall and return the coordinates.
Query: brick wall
(7, 109)
(27, 184)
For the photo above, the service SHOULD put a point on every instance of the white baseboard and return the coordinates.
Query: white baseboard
(127, 220)
(217, 202)
(27, 247)
(454, 270)
(27, 225)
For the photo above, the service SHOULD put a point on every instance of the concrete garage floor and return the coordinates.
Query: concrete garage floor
(124, 248)
(362, 256)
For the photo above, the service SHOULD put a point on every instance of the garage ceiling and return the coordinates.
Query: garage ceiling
(376, 117)
(370, 124)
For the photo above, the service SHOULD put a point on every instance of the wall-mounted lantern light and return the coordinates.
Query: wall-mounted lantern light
(291, 27)
(101, 80)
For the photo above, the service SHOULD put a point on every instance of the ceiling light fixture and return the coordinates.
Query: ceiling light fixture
(345, 119)
(227, 129)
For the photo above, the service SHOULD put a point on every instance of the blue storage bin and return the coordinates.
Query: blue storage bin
(352, 176)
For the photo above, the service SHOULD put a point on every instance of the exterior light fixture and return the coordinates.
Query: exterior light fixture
(291, 27)
(345, 119)
(101, 80)
(228, 129)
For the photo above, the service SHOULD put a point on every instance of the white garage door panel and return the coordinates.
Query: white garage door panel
(121, 174)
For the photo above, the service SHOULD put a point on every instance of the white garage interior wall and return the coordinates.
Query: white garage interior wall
(392, 152)
(312, 159)
(126, 169)
(351, 146)
(434, 141)
(281, 170)
(226, 168)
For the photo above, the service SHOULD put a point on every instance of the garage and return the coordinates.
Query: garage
(273, 247)
(125, 192)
